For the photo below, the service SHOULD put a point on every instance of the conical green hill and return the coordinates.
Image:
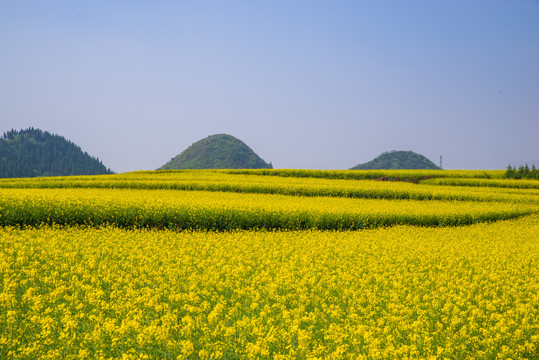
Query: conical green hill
(397, 160)
(217, 152)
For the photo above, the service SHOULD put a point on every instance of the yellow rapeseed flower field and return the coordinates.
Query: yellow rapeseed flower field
(270, 264)
(180, 209)
(393, 293)
(213, 180)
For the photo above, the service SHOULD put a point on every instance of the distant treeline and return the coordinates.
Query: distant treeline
(523, 172)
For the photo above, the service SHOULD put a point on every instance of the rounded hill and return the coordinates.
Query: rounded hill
(397, 160)
(220, 151)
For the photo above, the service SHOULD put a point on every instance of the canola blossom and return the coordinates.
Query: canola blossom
(226, 211)
(270, 264)
(403, 292)
(213, 180)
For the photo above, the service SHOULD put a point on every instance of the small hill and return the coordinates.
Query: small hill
(397, 160)
(33, 152)
(217, 152)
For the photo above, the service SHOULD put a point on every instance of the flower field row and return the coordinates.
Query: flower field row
(395, 293)
(495, 183)
(406, 175)
(221, 181)
(177, 209)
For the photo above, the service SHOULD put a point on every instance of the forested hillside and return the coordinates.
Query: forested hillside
(220, 151)
(33, 152)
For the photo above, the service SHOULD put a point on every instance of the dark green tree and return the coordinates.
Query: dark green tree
(509, 172)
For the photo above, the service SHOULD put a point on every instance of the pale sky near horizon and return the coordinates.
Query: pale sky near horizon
(306, 84)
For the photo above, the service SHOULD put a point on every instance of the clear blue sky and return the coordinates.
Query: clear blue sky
(306, 84)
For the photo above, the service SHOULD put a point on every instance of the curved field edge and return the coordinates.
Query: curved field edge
(227, 211)
(400, 175)
(457, 293)
(256, 184)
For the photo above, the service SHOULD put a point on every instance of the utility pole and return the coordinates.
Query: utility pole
(441, 162)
